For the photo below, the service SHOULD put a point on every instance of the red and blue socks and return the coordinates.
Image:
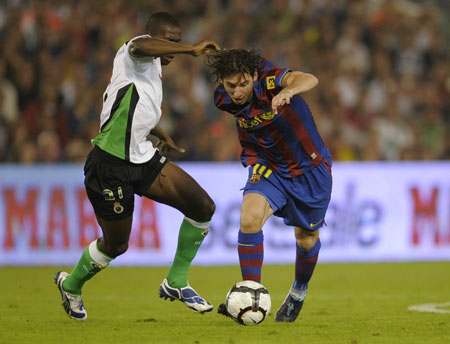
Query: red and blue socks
(251, 255)
(305, 263)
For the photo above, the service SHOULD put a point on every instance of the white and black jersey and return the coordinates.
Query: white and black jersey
(131, 106)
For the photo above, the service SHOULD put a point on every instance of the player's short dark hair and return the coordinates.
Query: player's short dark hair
(229, 62)
(158, 20)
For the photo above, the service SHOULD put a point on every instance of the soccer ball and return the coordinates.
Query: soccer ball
(248, 302)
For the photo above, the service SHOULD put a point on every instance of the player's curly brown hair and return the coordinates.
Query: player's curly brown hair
(229, 62)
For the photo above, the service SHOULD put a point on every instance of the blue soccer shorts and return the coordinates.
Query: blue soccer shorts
(301, 201)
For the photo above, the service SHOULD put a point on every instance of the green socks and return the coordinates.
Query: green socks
(92, 261)
(190, 238)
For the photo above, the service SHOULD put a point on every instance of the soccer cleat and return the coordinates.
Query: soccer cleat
(73, 304)
(289, 310)
(187, 295)
(222, 309)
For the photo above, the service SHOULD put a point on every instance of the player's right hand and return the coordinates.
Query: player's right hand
(167, 144)
(205, 47)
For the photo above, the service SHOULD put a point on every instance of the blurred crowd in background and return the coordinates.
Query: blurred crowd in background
(383, 69)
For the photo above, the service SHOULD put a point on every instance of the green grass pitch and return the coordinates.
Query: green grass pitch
(346, 303)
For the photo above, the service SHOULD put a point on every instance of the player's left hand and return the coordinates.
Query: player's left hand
(166, 145)
(281, 99)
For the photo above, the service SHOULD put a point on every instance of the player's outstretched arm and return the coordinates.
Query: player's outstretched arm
(293, 83)
(156, 47)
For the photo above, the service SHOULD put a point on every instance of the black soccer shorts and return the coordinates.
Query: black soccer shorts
(112, 182)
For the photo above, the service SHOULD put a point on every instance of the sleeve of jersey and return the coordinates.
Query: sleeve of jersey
(271, 81)
(137, 62)
(271, 78)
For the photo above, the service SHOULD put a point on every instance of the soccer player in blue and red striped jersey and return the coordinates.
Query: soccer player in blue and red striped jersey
(289, 166)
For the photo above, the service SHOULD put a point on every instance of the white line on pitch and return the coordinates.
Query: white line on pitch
(431, 307)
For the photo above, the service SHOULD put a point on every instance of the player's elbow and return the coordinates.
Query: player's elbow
(133, 49)
(312, 80)
(139, 47)
(304, 81)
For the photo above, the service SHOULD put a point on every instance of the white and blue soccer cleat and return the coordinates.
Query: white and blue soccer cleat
(187, 295)
(73, 304)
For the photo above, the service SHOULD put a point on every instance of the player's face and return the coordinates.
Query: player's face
(168, 33)
(240, 87)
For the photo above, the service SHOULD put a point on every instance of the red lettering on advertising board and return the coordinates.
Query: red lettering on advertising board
(425, 216)
(18, 215)
(148, 235)
(88, 229)
(57, 218)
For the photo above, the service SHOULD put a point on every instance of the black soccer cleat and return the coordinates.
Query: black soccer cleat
(222, 309)
(289, 310)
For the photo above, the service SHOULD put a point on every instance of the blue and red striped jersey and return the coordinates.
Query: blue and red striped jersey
(287, 142)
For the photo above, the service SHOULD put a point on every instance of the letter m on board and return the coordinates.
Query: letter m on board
(425, 215)
(20, 216)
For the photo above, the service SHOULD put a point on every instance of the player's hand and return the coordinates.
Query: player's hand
(167, 144)
(281, 99)
(205, 47)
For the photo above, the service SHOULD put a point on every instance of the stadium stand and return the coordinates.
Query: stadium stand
(384, 91)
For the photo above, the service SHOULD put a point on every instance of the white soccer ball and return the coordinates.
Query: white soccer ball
(248, 302)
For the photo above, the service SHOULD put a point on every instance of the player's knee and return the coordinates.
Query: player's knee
(118, 249)
(209, 209)
(204, 211)
(306, 240)
(250, 222)
(306, 244)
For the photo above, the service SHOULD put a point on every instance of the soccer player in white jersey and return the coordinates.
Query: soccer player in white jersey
(124, 162)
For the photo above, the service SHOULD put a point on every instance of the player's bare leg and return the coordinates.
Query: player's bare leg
(95, 258)
(178, 189)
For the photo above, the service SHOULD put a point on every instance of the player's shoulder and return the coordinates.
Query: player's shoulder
(221, 98)
(137, 37)
(267, 65)
(125, 47)
(141, 59)
(219, 92)
(270, 75)
(269, 68)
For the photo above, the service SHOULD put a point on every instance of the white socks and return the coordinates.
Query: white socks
(298, 294)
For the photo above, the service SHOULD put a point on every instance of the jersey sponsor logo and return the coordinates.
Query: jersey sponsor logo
(255, 121)
(270, 82)
(315, 224)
